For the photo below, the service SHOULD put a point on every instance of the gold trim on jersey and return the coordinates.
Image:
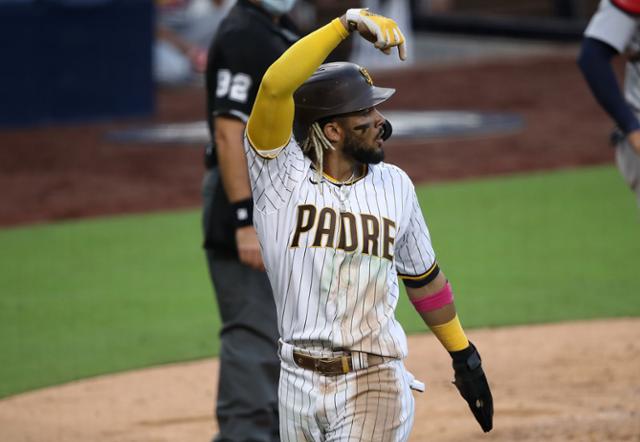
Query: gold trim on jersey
(389, 240)
(324, 232)
(422, 276)
(306, 227)
(266, 154)
(345, 235)
(337, 182)
(370, 234)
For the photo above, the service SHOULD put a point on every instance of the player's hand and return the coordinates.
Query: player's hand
(472, 384)
(634, 140)
(383, 32)
(249, 247)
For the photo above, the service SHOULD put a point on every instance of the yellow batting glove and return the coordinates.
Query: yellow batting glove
(383, 31)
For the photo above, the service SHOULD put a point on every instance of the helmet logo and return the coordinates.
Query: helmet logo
(366, 76)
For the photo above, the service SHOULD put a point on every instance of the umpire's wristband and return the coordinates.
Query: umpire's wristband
(242, 213)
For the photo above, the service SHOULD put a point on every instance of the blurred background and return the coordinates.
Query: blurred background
(73, 60)
(83, 79)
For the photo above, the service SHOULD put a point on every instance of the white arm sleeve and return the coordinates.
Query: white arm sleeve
(612, 26)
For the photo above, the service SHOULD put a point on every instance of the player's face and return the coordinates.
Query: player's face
(363, 136)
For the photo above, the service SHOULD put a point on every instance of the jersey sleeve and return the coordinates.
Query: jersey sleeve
(237, 76)
(612, 26)
(274, 175)
(270, 124)
(595, 64)
(415, 258)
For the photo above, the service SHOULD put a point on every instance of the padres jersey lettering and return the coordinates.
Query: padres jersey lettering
(329, 225)
(335, 251)
(348, 233)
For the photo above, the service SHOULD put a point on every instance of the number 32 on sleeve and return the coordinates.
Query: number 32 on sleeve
(235, 86)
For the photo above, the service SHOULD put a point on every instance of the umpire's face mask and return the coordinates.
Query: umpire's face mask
(277, 7)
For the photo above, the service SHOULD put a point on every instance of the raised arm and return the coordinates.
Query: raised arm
(271, 120)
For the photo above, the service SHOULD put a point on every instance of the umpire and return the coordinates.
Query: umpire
(252, 36)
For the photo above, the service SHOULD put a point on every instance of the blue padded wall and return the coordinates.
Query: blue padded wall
(73, 60)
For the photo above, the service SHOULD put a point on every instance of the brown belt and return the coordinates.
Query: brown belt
(333, 366)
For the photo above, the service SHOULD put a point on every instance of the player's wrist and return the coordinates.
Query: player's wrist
(351, 18)
(451, 335)
(341, 25)
(462, 356)
(242, 212)
(344, 23)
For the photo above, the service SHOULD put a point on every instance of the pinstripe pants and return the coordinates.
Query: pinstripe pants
(372, 404)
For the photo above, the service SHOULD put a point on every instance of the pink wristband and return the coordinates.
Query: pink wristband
(435, 301)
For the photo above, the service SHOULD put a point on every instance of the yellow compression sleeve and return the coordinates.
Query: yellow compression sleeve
(451, 335)
(271, 120)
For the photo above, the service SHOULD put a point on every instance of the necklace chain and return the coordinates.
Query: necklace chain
(350, 179)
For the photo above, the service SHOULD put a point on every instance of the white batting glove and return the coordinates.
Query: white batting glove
(382, 31)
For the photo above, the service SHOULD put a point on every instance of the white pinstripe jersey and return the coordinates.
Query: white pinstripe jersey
(333, 252)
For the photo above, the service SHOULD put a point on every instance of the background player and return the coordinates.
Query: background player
(615, 30)
(337, 226)
(249, 39)
(184, 29)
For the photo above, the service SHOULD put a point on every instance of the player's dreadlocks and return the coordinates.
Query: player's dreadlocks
(314, 146)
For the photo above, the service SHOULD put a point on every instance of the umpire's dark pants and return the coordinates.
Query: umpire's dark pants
(247, 404)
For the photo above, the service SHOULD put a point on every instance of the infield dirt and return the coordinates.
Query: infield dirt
(562, 382)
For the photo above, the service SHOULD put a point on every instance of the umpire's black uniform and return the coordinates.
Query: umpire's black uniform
(246, 44)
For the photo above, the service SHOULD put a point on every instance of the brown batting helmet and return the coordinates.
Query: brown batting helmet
(335, 89)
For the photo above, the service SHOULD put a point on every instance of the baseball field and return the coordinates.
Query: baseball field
(108, 325)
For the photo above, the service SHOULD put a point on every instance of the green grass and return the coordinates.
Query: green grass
(536, 248)
(93, 297)
(85, 298)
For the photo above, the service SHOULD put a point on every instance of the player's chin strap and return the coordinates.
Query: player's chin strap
(387, 130)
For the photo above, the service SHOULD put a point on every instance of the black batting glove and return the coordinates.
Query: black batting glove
(473, 386)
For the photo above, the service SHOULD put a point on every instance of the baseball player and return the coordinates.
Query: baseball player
(184, 29)
(251, 37)
(615, 30)
(337, 227)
